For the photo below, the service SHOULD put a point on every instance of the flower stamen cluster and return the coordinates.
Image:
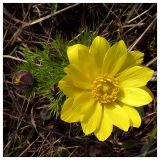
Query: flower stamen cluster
(105, 89)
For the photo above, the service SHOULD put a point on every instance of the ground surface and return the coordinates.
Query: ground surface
(26, 132)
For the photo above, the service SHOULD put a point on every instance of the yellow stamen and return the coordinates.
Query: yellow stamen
(105, 89)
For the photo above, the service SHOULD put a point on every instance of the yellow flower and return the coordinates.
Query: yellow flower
(103, 85)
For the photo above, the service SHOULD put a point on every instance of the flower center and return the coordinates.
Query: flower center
(105, 89)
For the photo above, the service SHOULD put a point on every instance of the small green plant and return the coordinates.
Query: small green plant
(47, 67)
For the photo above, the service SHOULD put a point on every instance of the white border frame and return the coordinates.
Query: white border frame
(79, 1)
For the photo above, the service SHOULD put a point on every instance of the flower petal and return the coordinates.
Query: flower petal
(79, 55)
(78, 78)
(84, 104)
(68, 88)
(135, 119)
(99, 48)
(87, 65)
(135, 96)
(129, 62)
(118, 116)
(138, 56)
(136, 76)
(67, 114)
(105, 127)
(73, 52)
(114, 58)
(93, 121)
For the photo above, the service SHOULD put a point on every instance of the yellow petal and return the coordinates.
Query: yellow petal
(135, 96)
(68, 88)
(136, 76)
(67, 114)
(118, 116)
(114, 58)
(135, 119)
(78, 78)
(93, 122)
(99, 48)
(73, 52)
(105, 127)
(80, 55)
(87, 65)
(139, 56)
(84, 103)
(129, 62)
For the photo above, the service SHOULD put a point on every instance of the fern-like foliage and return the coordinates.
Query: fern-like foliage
(47, 67)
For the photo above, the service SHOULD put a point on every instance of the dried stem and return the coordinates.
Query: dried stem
(140, 37)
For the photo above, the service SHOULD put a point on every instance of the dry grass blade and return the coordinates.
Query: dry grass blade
(32, 120)
(28, 147)
(14, 58)
(49, 16)
(151, 62)
(131, 13)
(5, 11)
(132, 25)
(140, 37)
(141, 14)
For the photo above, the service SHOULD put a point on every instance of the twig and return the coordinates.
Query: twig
(25, 24)
(132, 25)
(131, 13)
(50, 15)
(141, 22)
(76, 147)
(76, 36)
(28, 147)
(137, 40)
(138, 16)
(141, 14)
(15, 58)
(154, 78)
(40, 148)
(14, 100)
(102, 23)
(5, 11)
(18, 59)
(151, 62)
